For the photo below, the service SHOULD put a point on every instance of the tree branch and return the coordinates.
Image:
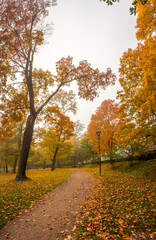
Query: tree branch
(16, 83)
(49, 98)
(17, 64)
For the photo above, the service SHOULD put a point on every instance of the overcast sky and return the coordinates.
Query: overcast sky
(89, 30)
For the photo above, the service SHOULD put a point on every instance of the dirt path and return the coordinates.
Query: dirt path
(54, 215)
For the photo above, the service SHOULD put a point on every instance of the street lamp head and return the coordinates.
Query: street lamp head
(98, 133)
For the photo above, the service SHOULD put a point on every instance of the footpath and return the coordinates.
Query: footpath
(54, 215)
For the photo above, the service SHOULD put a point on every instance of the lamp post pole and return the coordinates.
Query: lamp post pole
(98, 134)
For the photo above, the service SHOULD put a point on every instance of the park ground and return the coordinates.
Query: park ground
(121, 204)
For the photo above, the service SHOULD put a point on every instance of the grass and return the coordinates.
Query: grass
(17, 196)
(122, 203)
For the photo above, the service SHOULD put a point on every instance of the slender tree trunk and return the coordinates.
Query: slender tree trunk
(27, 138)
(54, 159)
(6, 166)
(1, 166)
(15, 164)
(44, 164)
(111, 152)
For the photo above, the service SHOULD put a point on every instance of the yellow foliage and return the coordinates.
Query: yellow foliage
(146, 19)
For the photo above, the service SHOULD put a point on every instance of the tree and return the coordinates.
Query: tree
(78, 128)
(11, 145)
(105, 120)
(63, 103)
(18, 134)
(66, 148)
(131, 139)
(87, 153)
(55, 142)
(76, 156)
(138, 94)
(49, 143)
(38, 159)
(22, 31)
(138, 72)
(146, 23)
(146, 20)
(6, 155)
(135, 3)
(64, 130)
(137, 78)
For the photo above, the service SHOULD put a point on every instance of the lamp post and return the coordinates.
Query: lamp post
(98, 134)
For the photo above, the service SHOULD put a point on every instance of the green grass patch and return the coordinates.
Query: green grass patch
(122, 202)
(16, 196)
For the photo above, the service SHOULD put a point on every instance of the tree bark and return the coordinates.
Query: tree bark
(54, 159)
(27, 138)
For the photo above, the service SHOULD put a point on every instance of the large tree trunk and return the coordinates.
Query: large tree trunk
(54, 159)
(27, 138)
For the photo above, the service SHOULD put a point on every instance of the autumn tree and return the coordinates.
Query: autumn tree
(55, 116)
(134, 4)
(18, 135)
(64, 151)
(37, 159)
(138, 75)
(146, 20)
(76, 156)
(137, 79)
(6, 152)
(55, 142)
(87, 153)
(22, 31)
(79, 127)
(106, 121)
(11, 145)
(64, 128)
(131, 140)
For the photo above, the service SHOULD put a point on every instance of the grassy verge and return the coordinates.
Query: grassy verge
(122, 203)
(16, 196)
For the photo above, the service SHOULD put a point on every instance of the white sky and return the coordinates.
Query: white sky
(89, 30)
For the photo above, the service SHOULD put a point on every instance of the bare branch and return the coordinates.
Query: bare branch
(17, 64)
(16, 83)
